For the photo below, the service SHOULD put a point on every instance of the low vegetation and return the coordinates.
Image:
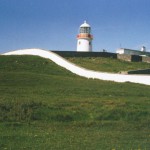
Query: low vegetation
(43, 106)
(108, 64)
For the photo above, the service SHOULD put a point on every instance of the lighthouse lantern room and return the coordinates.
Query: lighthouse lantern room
(84, 38)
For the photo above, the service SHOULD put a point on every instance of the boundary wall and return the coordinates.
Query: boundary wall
(144, 71)
(85, 54)
(131, 58)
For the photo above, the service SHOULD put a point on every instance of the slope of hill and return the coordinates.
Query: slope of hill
(82, 71)
(43, 106)
(107, 64)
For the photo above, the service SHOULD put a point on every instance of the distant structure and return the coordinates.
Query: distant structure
(141, 52)
(84, 38)
(143, 49)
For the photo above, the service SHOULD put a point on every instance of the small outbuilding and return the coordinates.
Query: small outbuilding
(133, 52)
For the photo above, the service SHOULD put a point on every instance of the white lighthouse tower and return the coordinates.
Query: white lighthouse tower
(84, 43)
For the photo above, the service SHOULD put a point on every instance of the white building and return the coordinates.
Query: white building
(84, 38)
(133, 52)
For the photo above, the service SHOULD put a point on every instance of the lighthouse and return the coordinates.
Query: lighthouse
(84, 38)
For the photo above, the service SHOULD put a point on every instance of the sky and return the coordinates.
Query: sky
(54, 24)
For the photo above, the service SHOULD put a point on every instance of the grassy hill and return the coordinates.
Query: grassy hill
(108, 64)
(43, 106)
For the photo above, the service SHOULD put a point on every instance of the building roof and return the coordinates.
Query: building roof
(85, 24)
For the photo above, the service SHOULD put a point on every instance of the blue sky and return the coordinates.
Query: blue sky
(53, 24)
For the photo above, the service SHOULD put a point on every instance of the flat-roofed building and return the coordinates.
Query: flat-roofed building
(133, 52)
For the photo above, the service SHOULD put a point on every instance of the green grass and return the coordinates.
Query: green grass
(108, 64)
(43, 106)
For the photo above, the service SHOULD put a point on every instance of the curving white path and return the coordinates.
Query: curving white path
(142, 79)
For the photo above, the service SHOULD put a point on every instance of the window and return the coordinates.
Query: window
(81, 30)
(85, 30)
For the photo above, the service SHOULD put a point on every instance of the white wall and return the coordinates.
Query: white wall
(120, 51)
(83, 45)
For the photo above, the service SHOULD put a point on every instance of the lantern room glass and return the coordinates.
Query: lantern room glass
(85, 30)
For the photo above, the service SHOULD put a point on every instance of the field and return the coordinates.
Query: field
(108, 64)
(43, 106)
